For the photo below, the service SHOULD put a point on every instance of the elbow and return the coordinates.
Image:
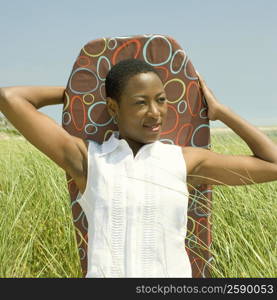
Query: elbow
(2, 94)
(6, 93)
(3, 98)
(272, 154)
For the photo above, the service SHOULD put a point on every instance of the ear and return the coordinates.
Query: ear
(112, 106)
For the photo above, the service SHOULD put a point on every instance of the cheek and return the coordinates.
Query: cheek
(134, 113)
(131, 116)
(164, 110)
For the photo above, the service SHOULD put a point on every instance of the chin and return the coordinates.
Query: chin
(152, 139)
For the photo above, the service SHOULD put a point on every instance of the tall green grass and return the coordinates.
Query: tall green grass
(37, 237)
(244, 220)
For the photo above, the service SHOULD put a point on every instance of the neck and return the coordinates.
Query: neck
(134, 145)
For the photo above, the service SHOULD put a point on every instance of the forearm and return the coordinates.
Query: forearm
(30, 122)
(17, 102)
(38, 96)
(261, 145)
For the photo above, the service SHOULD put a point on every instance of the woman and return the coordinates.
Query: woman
(126, 183)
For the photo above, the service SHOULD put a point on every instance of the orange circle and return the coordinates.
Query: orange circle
(137, 42)
(188, 137)
(198, 229)
(197, 267)
(72, 113)
(198, 98)
(209, 239)
(176, 123)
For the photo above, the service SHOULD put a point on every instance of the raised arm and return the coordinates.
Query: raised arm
(38, 96)
(208, 167)
(19, 105)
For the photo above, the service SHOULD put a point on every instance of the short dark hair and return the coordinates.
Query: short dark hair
(121, 72)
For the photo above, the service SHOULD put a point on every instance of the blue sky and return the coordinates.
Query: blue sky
(233, 44)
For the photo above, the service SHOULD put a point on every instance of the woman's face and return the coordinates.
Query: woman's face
(142, 109)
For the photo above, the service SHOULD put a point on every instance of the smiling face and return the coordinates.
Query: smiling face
(141, 110)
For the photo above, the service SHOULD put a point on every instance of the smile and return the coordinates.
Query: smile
(153, 128)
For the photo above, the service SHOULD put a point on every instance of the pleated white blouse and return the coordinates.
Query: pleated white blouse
(136, 209)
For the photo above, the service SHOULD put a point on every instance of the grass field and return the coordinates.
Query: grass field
(37, 235)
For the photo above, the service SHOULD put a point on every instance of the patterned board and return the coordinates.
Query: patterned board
(85, 116)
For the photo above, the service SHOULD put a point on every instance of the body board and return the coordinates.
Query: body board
(85, 116)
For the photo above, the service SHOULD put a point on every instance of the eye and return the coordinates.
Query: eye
(140, 102)
(162, 99)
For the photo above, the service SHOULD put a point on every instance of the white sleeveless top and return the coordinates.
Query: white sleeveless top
(136, 209)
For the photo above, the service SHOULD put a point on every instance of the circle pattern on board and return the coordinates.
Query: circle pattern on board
(85, 115)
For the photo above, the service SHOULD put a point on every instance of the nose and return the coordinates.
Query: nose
(153, 110)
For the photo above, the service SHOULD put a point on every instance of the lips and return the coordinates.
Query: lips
(153, 127)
